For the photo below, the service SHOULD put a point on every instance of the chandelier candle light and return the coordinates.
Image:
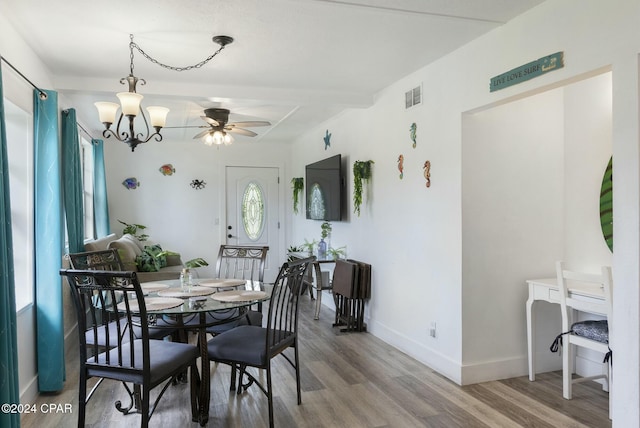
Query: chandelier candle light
(131, 102)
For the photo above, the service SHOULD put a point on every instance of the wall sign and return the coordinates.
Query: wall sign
(527, 71)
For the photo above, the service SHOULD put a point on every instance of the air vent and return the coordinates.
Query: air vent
(413, 97)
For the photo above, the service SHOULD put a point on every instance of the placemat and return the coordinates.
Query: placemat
(153, 304)
(152, 287)
(222, 283)
(195, 291)
(239, 296)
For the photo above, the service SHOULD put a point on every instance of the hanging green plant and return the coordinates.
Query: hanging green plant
(361, 172)
(297, 184)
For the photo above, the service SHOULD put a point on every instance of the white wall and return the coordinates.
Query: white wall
(178, 217)
(532, 172)
(412, 236)
(512, 226)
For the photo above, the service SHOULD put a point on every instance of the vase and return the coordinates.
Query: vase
(322, 249)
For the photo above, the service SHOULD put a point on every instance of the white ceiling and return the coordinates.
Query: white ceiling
(294, 63)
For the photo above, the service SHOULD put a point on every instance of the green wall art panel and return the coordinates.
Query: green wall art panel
(606, 205)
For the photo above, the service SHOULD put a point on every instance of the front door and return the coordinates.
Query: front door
(252, 211)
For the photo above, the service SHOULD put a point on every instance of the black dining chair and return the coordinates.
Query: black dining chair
(246, 263)
(144, 362)
(255, 346)
(110, 260)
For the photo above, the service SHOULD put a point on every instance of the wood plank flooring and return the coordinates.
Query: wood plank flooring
(349, 380)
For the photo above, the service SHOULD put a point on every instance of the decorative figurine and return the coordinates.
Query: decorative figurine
(413, 130)
(327, 140)
(198, 184)
(427, 172)
(131, 183)
(167, 169)
(401, 166)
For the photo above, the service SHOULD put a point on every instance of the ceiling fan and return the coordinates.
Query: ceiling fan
(219, 129)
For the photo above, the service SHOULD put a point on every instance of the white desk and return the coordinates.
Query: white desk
(547, 290)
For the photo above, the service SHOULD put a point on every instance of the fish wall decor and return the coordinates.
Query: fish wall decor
(131, 183)
(167, 169)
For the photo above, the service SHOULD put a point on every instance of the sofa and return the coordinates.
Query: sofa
(130, 248)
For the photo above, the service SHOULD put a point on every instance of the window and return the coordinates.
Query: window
(86, 158)
(253, 211)
(20, 160)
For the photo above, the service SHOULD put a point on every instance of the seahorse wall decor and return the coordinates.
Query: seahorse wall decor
(413, 130)
(401, 166)
(427, 173)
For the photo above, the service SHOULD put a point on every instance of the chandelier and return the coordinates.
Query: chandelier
(131, 101)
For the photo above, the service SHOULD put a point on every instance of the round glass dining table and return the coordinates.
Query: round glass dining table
(208, 302)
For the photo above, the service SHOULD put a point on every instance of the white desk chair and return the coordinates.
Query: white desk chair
(586, 334)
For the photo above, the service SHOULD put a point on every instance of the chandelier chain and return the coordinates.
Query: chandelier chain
(132, 45)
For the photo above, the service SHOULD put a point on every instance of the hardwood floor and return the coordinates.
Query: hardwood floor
(349, 380)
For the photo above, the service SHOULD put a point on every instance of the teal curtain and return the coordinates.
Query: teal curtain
(48, 243)
(9, 386)
(72, 181)
(100, 202)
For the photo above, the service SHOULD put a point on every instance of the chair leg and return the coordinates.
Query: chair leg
(82, 401)
(297, 368)
(567, 369)
(194, 387)
(145, 408)
(610, 380)
(269, 395)
(318, 303)
(232, 385)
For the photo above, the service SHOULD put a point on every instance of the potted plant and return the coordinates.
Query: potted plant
(361, 172)
(132, 229)
(309, 246)
(337, 253)
(325, 232)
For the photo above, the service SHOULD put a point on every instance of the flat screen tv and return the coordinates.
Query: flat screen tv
(324, 189)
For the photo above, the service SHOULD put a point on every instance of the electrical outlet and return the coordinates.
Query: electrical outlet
(432, 329)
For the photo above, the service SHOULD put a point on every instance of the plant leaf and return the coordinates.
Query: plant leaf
(194, 263)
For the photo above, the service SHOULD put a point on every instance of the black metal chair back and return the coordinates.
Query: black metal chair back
(241, 262)
(129, 357)
(282, 318)
(96, 260)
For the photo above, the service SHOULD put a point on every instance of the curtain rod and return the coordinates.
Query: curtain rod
(43, 95)
(85, 131)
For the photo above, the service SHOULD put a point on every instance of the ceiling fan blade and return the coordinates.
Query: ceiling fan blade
(201, 134)
(240, 131)
(251, 123)
(210, 121)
